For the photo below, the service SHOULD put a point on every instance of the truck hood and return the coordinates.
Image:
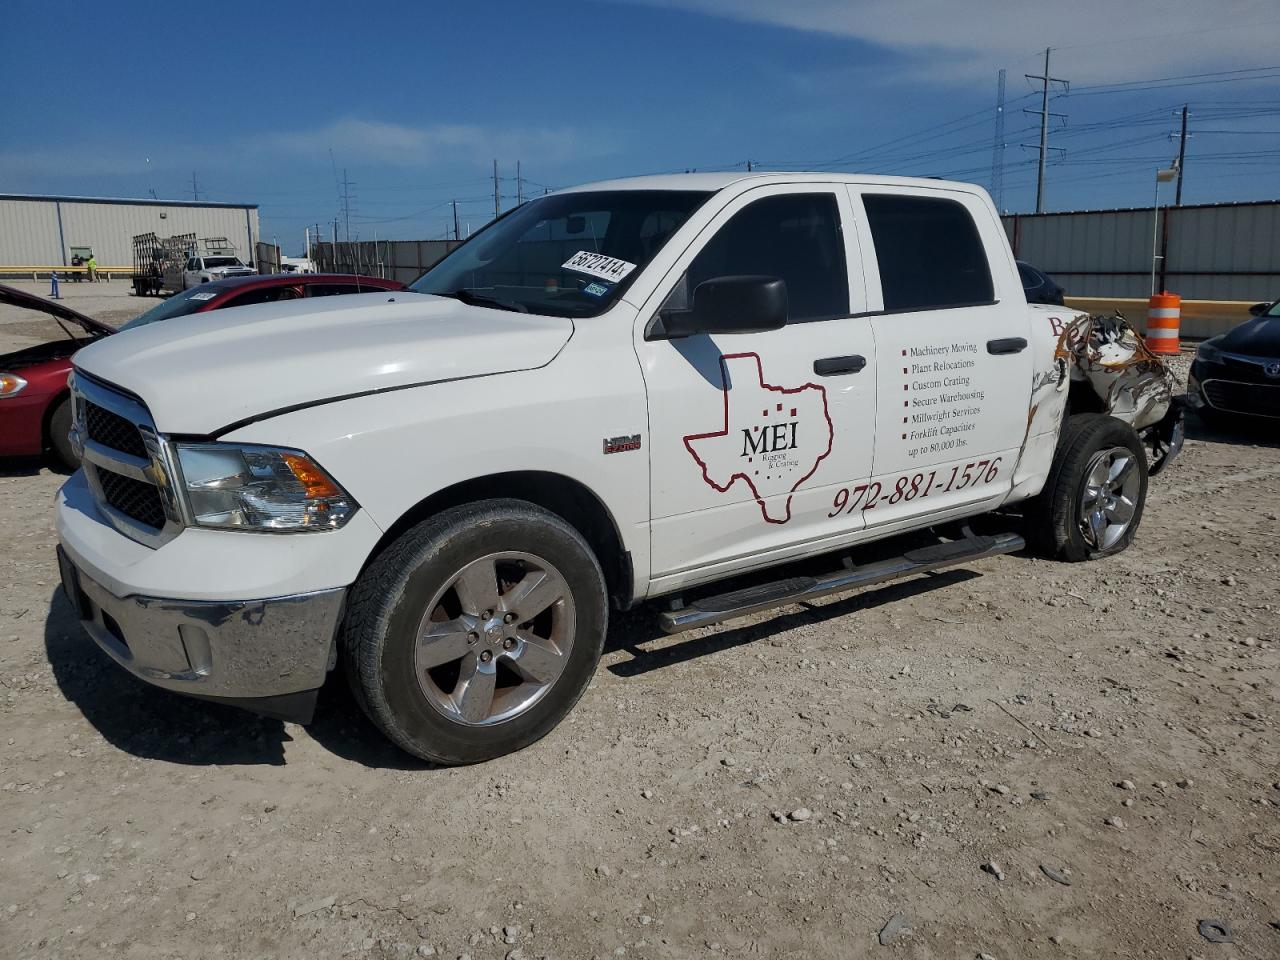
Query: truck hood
(205, 372)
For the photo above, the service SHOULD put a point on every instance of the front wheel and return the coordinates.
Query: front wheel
(1093, 500)
(475, 633)
(60, 435)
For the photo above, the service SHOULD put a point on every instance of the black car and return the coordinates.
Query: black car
(1237, 374)
(1039, 286)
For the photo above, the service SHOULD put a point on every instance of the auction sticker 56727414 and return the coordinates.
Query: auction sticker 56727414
(598, 265)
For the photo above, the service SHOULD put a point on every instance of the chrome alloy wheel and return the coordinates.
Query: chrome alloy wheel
(495, 639)
(1109, 497)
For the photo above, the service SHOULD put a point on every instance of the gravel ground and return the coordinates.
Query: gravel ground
(1013, 759)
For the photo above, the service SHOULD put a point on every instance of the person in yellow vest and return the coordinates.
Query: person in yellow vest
(92, 266)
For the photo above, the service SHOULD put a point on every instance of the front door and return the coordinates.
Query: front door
(954, 379)
(191, 275)
(754, 436)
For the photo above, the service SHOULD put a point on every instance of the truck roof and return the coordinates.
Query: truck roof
(718, 181)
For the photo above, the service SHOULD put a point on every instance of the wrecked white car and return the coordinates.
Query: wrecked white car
(617, 393)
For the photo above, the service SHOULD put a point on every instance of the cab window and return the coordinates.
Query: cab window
(262, 295)
(929, 251)
(793, 236)
(338, 289)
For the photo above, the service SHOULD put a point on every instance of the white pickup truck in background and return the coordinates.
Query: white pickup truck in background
(620, 392)
(218, 261)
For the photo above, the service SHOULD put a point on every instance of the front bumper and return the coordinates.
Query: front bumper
(1234, 387)
(270, 656)
(22, 424)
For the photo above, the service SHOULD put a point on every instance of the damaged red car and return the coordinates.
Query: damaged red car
(35, 409)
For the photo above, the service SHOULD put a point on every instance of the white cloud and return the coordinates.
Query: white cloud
(354, 142)
(392, 144)
(950, 39)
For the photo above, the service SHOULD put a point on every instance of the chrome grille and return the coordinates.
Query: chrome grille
(112, 430)
(133, 498)
(125, 462)
(1259, 399)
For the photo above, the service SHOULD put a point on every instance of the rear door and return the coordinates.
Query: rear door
(951, 328)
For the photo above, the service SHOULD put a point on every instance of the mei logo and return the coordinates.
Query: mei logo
(762, 440)
(772, 440)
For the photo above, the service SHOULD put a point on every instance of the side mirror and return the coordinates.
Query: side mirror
(729, 305)
(1258, 309)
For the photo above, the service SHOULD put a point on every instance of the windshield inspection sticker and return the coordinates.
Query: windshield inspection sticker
(596, 289)
(598, 265)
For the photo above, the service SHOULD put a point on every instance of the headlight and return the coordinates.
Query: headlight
(11, 384)
(259, 488)
(1209, 353)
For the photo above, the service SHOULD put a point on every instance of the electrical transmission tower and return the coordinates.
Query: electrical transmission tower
(346, 199)
(1044, 148)
(997, 148)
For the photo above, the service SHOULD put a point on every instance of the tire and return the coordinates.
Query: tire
(59, 439)
(1057, 522)
(536, 670)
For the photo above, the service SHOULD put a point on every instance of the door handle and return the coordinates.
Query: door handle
(1006, 345)
(835, 366)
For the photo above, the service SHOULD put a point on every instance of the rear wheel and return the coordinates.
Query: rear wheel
(60, 435)
(1094, 497)
(475, 633)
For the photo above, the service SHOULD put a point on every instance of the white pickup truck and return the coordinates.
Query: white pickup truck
(201, 268)
(616, 393)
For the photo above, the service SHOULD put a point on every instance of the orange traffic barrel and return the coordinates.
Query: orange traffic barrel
(1164, 311)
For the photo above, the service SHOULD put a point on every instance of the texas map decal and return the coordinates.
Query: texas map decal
(772, 440)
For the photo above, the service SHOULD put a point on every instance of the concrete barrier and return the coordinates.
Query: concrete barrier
(1200, 318)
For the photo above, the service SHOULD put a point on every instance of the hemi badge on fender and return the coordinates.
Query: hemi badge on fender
(622, 444)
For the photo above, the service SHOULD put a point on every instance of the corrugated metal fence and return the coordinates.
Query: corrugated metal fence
(403, 260)
(1220, 251)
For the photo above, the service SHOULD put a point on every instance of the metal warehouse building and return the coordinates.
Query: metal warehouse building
(40, 231)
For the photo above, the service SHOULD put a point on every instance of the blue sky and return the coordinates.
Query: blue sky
(415, 100)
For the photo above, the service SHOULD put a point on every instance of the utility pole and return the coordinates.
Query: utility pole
(519, 186)
(195, 188)
(346, 203)
(1182, 153)
(496, 208)
(997, 147)
(455, 221)
(1046, 79)
(748, 166)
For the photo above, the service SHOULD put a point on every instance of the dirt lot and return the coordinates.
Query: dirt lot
(1017, 759)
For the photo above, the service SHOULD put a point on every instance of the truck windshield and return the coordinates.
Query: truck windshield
(222, 262)
(566, 255)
